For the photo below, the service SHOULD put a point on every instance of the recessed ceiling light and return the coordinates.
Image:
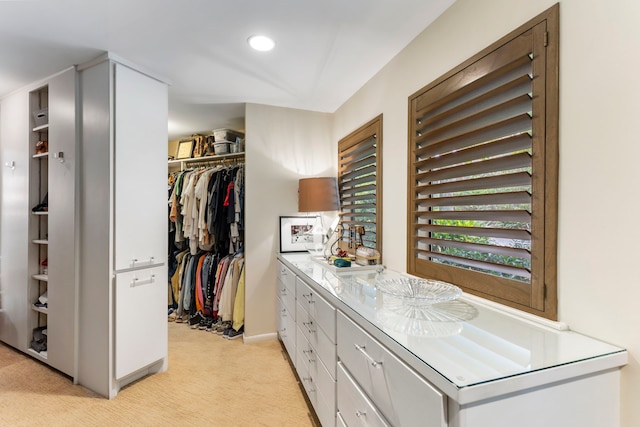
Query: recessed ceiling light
(261, 43)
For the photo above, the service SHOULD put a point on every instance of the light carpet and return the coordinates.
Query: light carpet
(211, 381)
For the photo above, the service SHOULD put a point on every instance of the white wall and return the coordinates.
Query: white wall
(599, 288)
(282, 146)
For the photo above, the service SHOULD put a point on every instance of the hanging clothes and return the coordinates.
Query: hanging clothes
(206, 229)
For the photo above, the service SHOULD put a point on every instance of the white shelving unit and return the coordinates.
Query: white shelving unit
(39, 224)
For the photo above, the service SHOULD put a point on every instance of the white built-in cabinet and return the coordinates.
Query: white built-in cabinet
(104, 231)
(122, 247)
(365, 358)
(30, 238)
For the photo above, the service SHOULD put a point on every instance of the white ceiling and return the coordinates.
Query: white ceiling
(325, 49)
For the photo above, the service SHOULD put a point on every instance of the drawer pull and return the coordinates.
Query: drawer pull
(308, 325)
(284, 310)
(137, 282)
(361, 414)
(135, 261)
(307, 351)
(308, 297)
(371, 360)
(284, 291)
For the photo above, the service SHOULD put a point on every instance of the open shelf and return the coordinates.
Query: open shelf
(41, 277)
(37, 156)
(40, 242)
(36, 354)
(40, 213)
(41, 128)
(39, 309)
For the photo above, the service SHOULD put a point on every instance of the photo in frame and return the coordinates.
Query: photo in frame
(295, 233)
(185, 149)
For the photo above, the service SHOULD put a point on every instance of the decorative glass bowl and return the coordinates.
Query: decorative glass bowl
(419, 292)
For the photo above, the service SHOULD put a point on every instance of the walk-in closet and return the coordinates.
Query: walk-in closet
(206, 235)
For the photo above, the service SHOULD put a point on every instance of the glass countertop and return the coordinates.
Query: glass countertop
(466, 343)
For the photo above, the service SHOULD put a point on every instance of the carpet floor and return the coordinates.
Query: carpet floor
(210, 381)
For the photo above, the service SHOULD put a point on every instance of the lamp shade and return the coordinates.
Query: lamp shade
(318, 195)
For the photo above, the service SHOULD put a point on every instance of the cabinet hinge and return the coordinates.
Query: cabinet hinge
(546, 38)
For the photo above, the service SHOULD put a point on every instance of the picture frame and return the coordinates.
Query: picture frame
(185, 149)
(292, 230)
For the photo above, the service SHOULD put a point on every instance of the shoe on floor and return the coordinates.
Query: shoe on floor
(223, 327)
(194, 321)
(233, 334)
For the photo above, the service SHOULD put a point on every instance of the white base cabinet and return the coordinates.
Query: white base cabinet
(460, 364)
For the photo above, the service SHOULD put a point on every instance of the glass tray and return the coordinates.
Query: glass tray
(419, 291)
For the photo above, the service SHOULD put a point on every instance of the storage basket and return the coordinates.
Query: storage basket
(221, 135)
(221, 147)
(41, 117)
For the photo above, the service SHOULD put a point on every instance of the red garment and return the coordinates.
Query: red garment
(229, 190)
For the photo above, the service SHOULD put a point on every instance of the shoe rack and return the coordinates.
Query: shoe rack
(39, 224)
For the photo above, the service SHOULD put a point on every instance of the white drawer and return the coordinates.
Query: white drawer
(287, 277)
(287, 330)
(322, 311)
(325, 409)
(326, 386)
(404, 397)
(354, 406)
(140, 325)
(307, 383)
(304, 352)
(288, 296)
(324, 347)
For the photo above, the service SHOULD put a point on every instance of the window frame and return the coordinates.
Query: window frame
(371, 129)
(540, 297)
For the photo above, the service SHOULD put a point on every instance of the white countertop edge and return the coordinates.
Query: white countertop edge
(544, 377)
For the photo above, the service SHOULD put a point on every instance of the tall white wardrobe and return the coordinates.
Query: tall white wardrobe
(103, 233)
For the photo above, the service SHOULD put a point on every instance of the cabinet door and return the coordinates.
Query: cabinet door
(140, 172)
(14, 216)
(140, 319)
(61, 218)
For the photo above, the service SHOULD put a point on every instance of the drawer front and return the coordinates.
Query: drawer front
(405, 398)
(288, 296)
(304, 321)
(324, 348)
(353, 405)
(140, 319)
(307, 383)
(304, 352)
(287, 277)
(319, 382)
(319, 308)
(287, 330)
(325, 383)
(325, 409)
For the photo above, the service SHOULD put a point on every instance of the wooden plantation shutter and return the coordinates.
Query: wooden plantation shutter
(360, 182)
(483, 172)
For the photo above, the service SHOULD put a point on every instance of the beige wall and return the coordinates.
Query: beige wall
(598, 283)
(283, 145)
